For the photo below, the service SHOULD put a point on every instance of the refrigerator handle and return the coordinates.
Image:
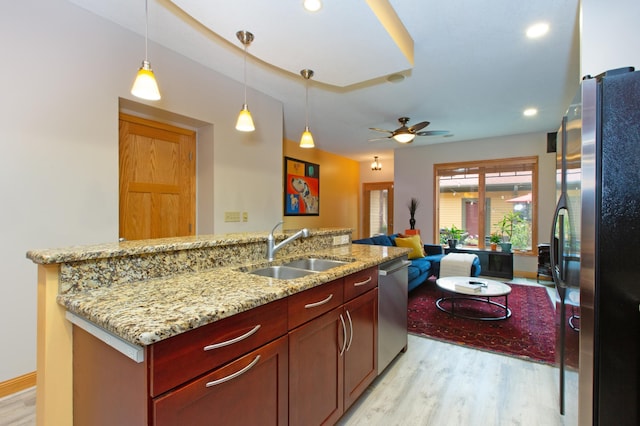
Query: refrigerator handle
(556, 271)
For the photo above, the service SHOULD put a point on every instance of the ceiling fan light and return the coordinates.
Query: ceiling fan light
(404, 137)
(312, 5)
(245, 122)
(145, 85)
(306, 141)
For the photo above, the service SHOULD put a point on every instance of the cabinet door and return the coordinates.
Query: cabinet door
(360, 357)
(251, 390)
(316, 371)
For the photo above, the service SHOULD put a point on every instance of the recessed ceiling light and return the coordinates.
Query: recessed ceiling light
(537, 30)
(312, 5)
(395, 78)
(530, 112)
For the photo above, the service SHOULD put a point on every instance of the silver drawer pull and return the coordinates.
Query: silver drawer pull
(344, 335)
(350, 330)
(234, 375)
(367, 281)
(234, 340)
(322, 302)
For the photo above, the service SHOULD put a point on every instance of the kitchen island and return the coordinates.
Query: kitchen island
(133, 295)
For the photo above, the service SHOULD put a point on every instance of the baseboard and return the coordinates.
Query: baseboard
(17, 384)
(524, 274)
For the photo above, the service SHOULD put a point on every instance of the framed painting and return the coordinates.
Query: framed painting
(301, 188)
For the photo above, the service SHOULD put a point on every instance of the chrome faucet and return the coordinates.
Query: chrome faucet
(272, 247)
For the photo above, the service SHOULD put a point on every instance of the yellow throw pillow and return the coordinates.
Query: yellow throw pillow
(414, 243)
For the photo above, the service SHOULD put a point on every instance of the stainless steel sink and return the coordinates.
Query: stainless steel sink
(315, 264)
(282, 272)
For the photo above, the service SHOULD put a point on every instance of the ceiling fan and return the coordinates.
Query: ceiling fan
(405, 134)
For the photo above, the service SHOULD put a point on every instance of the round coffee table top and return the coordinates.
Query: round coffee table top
(473, 286)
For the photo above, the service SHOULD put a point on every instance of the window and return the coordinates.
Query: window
(476, 196)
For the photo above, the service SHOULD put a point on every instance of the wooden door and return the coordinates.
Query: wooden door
(377, 201)
(157, 179)
(360, 357)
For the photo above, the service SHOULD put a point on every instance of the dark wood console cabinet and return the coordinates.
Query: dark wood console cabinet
(492, 263)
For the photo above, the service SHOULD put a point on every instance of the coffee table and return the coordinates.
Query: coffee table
(479, 290)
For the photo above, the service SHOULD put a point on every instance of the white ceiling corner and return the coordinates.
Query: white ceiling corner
(327, 41)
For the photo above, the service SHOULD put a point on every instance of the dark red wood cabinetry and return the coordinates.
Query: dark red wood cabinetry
(249, 391)
(332, 357)
(302, 360)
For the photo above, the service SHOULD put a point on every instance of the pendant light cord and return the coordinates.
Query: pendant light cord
(146, 30)
(306, 108)
(245, 74)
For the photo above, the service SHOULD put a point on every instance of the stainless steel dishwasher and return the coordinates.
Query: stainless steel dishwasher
(392, 310)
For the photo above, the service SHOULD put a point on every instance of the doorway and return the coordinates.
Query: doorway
(157, 169)
(377, 208)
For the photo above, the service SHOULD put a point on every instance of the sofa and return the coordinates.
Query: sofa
(423, 266)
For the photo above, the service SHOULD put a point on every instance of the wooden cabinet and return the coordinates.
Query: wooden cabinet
(302, 360)
(180, 358)
(249, 391)
(361, 353)
(173, 386)
(316, 369)
(333, 356)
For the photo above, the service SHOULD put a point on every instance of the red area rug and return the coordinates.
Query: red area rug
(529, 333)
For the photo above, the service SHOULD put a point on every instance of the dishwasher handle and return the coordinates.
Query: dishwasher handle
(401, 265)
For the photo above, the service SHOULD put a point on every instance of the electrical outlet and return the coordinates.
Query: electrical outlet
(232, 216)
(340, 239)
(245, 216)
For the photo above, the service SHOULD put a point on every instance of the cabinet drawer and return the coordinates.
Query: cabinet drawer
(308, 304)
(180, 358)
(251, 390)
(360, 282)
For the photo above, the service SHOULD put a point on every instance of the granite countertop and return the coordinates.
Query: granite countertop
(144, 312)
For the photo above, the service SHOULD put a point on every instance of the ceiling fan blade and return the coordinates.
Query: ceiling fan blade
(433, 133)
(380, 130)
(418, 126)
(378, 139)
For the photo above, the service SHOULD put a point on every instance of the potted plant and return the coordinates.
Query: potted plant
(494, 239)
(413, 206)
(506, 228)
(453, 235)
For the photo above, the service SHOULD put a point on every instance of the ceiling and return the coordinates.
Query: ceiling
(467, 65)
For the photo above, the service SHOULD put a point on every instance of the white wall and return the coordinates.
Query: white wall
(609, 35)
(62, 74)
(413, 171)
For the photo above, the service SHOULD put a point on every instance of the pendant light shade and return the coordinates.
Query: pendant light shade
(245, 121)
(306, 141)
(145, 85)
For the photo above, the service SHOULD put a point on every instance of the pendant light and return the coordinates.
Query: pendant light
(245, 122)
(376, 165)
(306, 141)
(145, 85)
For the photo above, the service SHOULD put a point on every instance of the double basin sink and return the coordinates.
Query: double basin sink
(298, 268)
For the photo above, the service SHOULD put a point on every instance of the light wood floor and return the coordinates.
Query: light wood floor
(436, 383)
(18, 409)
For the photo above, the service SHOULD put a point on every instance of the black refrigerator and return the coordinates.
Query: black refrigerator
(595, 253)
